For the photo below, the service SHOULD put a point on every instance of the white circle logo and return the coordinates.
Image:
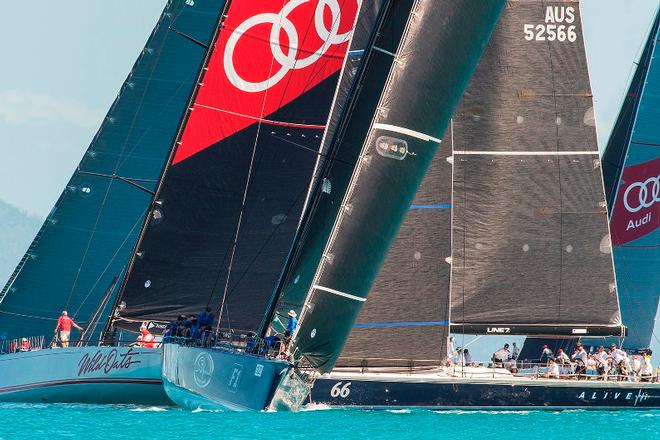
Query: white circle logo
(280, 22)
(649, 193)
(203, 369)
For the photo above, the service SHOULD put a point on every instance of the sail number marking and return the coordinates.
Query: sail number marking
(338, 390)
(557, 26)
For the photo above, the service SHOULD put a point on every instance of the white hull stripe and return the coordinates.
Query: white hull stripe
(387, 52)
(407, 131)
(527, 153)
(339, 293)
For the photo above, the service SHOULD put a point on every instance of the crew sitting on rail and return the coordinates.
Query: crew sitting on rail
(580, 357)
(602, 364)
(646, 372)
(553, 369)
(501, 356)
(146, 339)
(25, 345)
(562, 358)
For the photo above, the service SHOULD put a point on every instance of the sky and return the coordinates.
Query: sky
(63, 63)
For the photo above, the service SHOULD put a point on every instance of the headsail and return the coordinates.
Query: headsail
(531, 251)
(635, 199)
(230, 204)
(87, 238)
(397, 132)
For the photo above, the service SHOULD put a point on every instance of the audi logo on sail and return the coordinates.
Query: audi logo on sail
(648, 194)
(288, 61)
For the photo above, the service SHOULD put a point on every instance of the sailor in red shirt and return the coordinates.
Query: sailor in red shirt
(64, 323)
(146, 339)
(25, 345)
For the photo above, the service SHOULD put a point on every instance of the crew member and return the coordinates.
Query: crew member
(580, 357)
(290, 328)
(562, 358)
(501, 356)
(64, 323)
(601, 362)
(146, 339)
(553, 369)
(25, 345)
(546, 354)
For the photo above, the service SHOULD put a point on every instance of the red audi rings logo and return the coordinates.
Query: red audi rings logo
(648, 193)
(288, 61)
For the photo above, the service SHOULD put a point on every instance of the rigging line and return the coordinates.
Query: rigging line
(128, 180)
(188, 37)
(317, 68)
(245, 192)
(264, 120)
(112, 259)
(303, 147)
(270, 236)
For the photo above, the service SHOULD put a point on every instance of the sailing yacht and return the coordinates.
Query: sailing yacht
(508, 236)
(269, 201)
(78, 259)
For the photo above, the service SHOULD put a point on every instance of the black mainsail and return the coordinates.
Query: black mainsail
(531, 251)
(86, 240)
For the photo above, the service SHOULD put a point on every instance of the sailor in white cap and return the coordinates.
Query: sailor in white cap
(293, 323)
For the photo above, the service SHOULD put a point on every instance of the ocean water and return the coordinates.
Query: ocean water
(60, 421)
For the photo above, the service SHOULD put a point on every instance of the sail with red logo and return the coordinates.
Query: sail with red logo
(228, 207)
(635, 199)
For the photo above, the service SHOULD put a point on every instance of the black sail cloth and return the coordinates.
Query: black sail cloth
(398, 147)
(531, 252)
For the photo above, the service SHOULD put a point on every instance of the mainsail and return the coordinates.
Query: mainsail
(388, 140)
(86, 240)
(633, 153)
(229, 205)
(530, 241)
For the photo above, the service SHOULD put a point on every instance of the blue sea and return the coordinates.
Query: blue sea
(59, 421)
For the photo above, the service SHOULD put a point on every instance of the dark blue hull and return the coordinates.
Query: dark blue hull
(205, 378)
(412, 392)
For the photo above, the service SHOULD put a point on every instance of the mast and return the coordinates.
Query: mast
(398, 136)
(87, 238)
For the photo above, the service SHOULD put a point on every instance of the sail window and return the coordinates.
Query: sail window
(296, 279)
(313, 333)
(525, 247)
(520, 119)
(558, 120)
(326, 185)
(606, 244)
(147, 284)
(278, 219)
(417, 255)
(391, 147)
(156, 216)
(85, 190)
(569, 248)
